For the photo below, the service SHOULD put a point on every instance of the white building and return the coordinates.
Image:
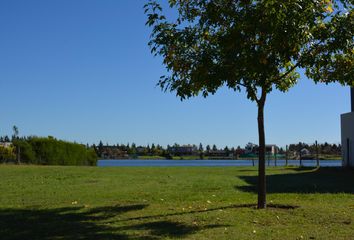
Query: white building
(347, 123)
(272, 149)
(305, 152)
(5, 144)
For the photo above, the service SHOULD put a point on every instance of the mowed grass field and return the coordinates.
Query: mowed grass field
(174, 203)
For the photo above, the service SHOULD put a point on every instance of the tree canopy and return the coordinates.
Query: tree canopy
(252, 44)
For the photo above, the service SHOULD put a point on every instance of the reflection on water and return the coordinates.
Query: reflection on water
(212, 163)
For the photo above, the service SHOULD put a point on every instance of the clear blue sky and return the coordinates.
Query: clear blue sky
(82, 71)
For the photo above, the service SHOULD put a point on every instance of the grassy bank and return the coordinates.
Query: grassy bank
(165, 203)
(151, 157)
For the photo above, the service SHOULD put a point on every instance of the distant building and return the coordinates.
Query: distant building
(140, 150)
(347, 124)
(240, 151)
(113, 152)
(305, 152)
(271, 149)
(183, 150)
(220, 153)
(5, 144)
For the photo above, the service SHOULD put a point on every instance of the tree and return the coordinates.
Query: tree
(158, 150)
(15, 132)
(14, 140)
(132, 149)
(153, 149)
(148, 149)
(200, 149)
(7, 153)
(100, 149)
(26, 154)
(255, 45)
(127, 147)
(6, 139)
(95, 149)
(227, 150)
(50, 151)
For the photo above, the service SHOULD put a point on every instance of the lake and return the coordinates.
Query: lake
(211, 163)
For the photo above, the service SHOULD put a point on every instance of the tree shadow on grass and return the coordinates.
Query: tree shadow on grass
(163, 229)
(82, 223)
(233, 206)
(305, 180)
(61, 223)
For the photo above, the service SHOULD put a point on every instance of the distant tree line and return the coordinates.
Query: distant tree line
(321, 148)
(117, 151)
(50, 151)
(5, 139)
(125, 150)
(46, 151)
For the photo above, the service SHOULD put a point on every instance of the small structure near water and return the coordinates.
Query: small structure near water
(347, 124)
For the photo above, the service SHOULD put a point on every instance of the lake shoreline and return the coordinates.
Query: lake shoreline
(214, 163)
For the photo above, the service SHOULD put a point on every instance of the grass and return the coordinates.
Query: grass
(330, 157)
(168, 203)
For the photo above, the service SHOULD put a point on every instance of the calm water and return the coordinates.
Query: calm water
(210, 163)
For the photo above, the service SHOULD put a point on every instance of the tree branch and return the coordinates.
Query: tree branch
(314, 49)
(289, 71)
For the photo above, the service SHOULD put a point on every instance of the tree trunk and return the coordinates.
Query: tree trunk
(261, 152)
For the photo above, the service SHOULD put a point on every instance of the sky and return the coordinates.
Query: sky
(82, 71)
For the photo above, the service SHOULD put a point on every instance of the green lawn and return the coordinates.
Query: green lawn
(168, 203)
